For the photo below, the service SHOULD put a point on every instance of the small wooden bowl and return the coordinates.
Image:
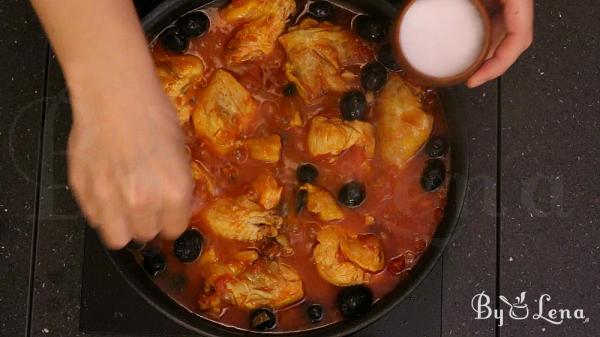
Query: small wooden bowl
(426, 80)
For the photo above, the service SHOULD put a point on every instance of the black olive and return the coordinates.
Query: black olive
(290, 90)
(437, 147)
(387, 58)
(154, 262)
(353, 106)
(172, 39)
(301, 199)
(354, 301)
(315, 313)
(433, 175)
(306, 173)
(188, 246)
(321, 10)
(353, 194)
(263, 319)
(371, 28)
(194, 24)
(374, 75)
(135, 245)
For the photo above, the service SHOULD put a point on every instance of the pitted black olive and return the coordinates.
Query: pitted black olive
(386, 57)
(321, 10)
(154, 262)
(194, 24)
(353, 106)
(307, 173)
(290, 90)
(315, 313)
(437, 147)
(434, 175)
(354, 301)
(301, 199)
(263, 319)
(188, 246)
(371, 28)
(374, 76)
(353, 194)
(172, 39)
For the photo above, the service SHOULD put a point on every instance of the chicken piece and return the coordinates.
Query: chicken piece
(201, 176)
(333, 136)
(263, 22)
(225, 110)
(268, 191)
(180, 77)
(317, 55)
(331, 264)
(344, 260)
(249, 283)
(364, 250)
(267, 149)
(241, 219)
(322, 203)
(402, 126)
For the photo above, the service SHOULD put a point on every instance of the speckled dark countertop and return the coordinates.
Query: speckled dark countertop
(530, 221)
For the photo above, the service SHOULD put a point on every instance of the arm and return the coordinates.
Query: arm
(128, 166)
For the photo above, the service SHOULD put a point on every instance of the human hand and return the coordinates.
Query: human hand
(512, 34)
(128, 165)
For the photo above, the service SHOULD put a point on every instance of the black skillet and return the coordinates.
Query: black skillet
(167, 13)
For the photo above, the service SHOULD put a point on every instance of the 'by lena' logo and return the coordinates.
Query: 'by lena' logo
(519, 310)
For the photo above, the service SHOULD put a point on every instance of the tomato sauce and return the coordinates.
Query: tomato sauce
(397, 208)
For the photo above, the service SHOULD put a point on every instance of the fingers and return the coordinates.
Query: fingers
(177, 208)
(518, 22)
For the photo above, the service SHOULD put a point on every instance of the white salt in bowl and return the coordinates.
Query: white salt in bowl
(441, 42)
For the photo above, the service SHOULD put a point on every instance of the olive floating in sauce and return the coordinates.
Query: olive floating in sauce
(437, 147)
(371, 28)
(307, 173)
(386, 57)
(263, 319)
(374, 76)
(352, 194)
(301, 199)
(353, 106)
(173, 40)
(194, 24)
(154, 262)
(434, 175)
(321, 10)
(290, 90)
(354, 301)
(315, 313)
(188, 246)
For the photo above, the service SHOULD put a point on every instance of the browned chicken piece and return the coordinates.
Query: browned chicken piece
(402, 125)
(333, 136)
(248, 283)
(268, 192)
(200, 175)
(344, 260)
(263, 22)
(364, 250)
(267, 149)
(317, 55)
(241, 219)
(180, 76)
(322, 203)
(225, 110)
